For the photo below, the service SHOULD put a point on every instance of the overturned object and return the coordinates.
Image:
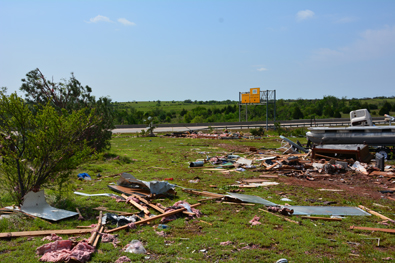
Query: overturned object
(358, 152)
(34, 204)
(143, 187)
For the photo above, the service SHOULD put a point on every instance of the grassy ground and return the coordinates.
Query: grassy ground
(193, 240)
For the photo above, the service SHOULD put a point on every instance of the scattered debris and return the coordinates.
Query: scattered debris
(255, 221)
(135, 247)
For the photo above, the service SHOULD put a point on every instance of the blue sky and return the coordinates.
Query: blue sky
(203, 50)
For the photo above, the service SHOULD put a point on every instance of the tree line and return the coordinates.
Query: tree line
(327, 107)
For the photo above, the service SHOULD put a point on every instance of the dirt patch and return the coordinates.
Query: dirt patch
(351, 184)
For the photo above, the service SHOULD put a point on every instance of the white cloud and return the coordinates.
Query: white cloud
(125, 22)
(99, 18)
(304, 14)
(346, 19)
(261, 69)
(372, 44)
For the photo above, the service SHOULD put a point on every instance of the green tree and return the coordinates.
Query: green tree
(297, 113)
(40, 149)
(385, 109)
(70, 95)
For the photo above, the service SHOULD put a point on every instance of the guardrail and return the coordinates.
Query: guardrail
(257, 124)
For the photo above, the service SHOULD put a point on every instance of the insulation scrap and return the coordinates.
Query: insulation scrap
(179, 205)
(54, 246)
(107, 238)
(118, 199)
(82, 252)
(52, 237)
(255, 221)
(61, 251)
(123, 259)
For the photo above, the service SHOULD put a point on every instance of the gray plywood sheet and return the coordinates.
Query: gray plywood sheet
(251, 199)
(34, 204)
(328, 210)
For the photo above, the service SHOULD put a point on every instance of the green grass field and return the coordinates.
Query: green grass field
(195, 241)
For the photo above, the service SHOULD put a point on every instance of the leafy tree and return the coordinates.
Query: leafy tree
(386, 108)
(40, 149)
(297, 113)
(70, 95)
(183, 112)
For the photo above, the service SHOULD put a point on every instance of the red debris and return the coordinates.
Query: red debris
(54, 246)
(61, 251)
(255, 221)
(52, 237)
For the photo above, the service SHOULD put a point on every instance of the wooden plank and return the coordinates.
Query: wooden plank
(94, 234)
(373, 229)
(375, 213)
(210, 199)
(321, 218)
(157, 208)
(140, 207)
(152, 218)
(390, 198)
(45, 233)
(98, 236)
(272, 166)
(234, 203)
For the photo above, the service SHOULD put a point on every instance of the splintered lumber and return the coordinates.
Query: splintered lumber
(152, 218)
(140, 207)
(234, 203)
(375, 213)
(209, 199)
(287, 219)
(94, 234)
(272, 166)
(157, 208)
(206, 222)
(45, 233)
(373, 229)
(202, 193)
(98, 236)
(390, 198)
(321, 218)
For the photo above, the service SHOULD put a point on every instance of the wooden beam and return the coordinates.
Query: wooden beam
(152, 218)
(157, 208)
(234, 203)
(375, 213)
(202, 193)
(373, 229)
(98, 236)
(140, 207)
(94, 234)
